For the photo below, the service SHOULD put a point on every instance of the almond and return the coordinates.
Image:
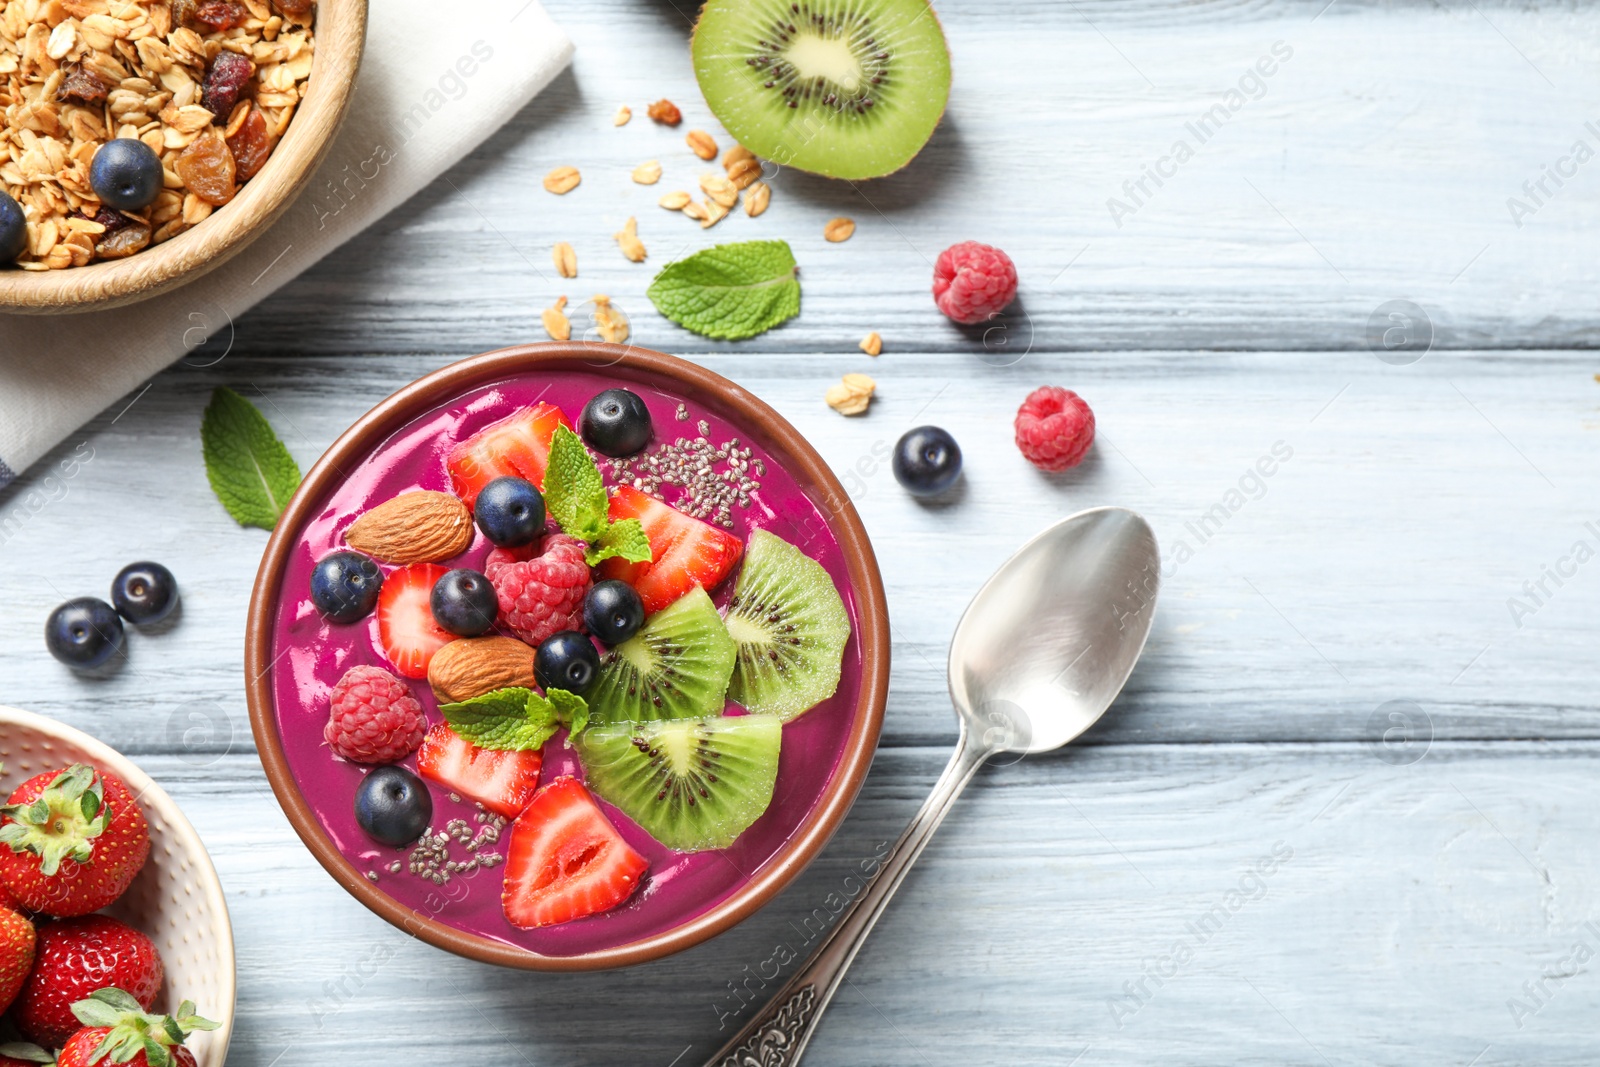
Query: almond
(419, 527)
(472, 666)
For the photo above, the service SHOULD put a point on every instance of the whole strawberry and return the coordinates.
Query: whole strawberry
(76, 838)
(75, 958)
(117, 1030)
(543, 595)
(17, 944)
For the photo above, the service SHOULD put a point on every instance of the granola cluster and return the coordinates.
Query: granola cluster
(209, 85)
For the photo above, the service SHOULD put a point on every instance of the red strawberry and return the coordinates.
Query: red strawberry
(76, 957)
(406, 627)
(565, 861)
(17, 943)
(503, 782)
(686, 551)
(117, 1030)
(76, 837)
(518, 444)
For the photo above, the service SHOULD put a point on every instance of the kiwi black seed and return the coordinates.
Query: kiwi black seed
(676, 667)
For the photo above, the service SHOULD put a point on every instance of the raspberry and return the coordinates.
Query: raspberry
(373, 718)
(541, 596)
(1054, 428)
(973, 282)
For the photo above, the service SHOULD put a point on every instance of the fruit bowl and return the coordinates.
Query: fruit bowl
(296, 653)
(176, 899)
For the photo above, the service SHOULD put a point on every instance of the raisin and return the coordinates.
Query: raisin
(123, 242)
(206, 167)
(83, 87)
(250, 145)
(665, 112)
(293, 9)
(217, 16)
(183, 12)
(225, 80)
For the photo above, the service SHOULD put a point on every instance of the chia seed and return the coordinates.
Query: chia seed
(431, 859)
(712, 479)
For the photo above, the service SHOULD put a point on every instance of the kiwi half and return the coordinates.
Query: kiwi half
(676, 667)
(693, 784)
(843, 88)
(790, 626)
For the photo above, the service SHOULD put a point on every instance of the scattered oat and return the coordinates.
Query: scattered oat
(719, 189)
(696, 211)
(852, 395)
(839, 229)
(744, 172)
(624, 113)
(872, 344)
(556, 323)
(628, 239)
(647, 173)
(611, 323)
(715, 213)
(562, 180)
(756, 199)
(665, 112)
(701, 144)
(737, 154)
(675, 201)
(566, 260)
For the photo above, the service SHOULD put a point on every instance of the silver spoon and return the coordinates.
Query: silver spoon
(1041, 652)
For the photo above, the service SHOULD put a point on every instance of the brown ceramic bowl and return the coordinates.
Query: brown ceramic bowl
(855, 733)
(341, 33)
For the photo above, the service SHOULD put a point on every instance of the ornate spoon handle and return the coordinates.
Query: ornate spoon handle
(778, 1034)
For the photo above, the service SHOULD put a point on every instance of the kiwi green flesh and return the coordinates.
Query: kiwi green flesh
(844, 88)
(676, 667)
(692, 784)
(790, 626)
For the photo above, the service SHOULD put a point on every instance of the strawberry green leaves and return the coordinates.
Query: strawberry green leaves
(575, 496)
(248, 467)
(130, 1030)
(516, 719)
(732, 291)
(62, 822)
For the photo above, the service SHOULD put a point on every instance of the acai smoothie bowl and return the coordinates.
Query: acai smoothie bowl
(567, 656)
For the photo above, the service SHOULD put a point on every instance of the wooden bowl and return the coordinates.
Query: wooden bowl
(341, 33)
(754, 421)
(176, 900)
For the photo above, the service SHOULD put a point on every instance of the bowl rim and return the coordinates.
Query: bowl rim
(150, 794)
(755, 419)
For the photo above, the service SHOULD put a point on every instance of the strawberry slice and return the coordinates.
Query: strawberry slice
(565, 861)
(686, 551)
(406, 629)
(518, 444)
(503, 782)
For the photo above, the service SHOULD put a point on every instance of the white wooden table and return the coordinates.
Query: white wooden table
(1430, 896)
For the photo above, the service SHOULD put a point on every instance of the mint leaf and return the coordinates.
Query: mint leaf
(248, 467)
(507, 719)
(626, 539)
(572, 710)
(574, 492)
(731, 291)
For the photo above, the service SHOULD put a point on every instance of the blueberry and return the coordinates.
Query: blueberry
(344, 586)
(464, 602)
(927, 461)
(567, 660)
(83, 633)
(125, 175)
(13, 228)
(393, 806)
(612, 611)
(144, 593)
(615, 423)
(510, 511)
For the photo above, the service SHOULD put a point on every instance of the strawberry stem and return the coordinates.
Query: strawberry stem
(62, 822)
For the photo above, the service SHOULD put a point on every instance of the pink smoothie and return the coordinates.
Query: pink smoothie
(310, 654)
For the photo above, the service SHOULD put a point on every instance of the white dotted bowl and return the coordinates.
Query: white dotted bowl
(176, 900)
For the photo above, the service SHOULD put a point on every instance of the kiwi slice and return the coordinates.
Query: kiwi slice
(693, 784)
(844, 88)
(790, 627)
(675, 667)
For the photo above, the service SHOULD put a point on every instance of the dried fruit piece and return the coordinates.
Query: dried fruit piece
(474, 666)
(647, 173)
(562, 180)
(225, 79)
(611, 323)
(206, 167)
(757, 199)
(628, 240)
(82, 86)
(566, 260)
(623, 115)
(556, 323)
(852, 395)
(665, 112)
(296, 10)
(123, 241)
(701, 144)
(744, 173)
(839, 229)
(719, 189)
(872, 344)
(250, 144)
(416, 527)
(218, 16)
(675, 201)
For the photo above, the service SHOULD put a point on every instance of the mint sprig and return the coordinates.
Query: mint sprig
(575, 496)
(516, 719)
(731, 291)
(249, 469)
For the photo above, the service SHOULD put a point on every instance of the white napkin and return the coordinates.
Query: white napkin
(435, 83)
